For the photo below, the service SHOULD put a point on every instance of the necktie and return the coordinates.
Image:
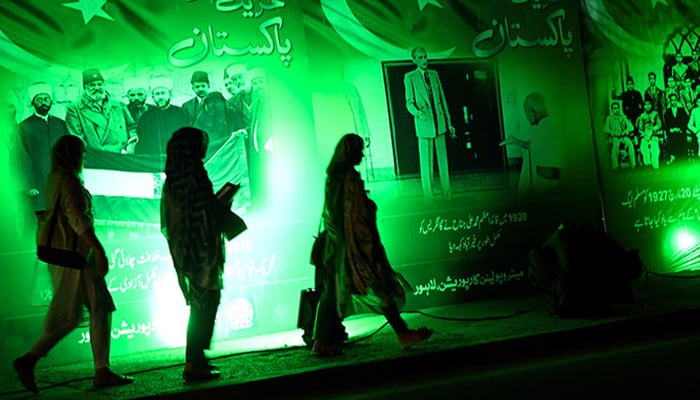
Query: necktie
(427, 83)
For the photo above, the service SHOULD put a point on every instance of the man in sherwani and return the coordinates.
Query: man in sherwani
(200, 87)
(425, 100)
(102, 123)
(39, 132)
(157, 124)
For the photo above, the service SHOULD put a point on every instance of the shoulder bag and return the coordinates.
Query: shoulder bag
(57, 242)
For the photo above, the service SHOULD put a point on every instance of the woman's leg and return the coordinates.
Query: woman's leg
(50, 338)
(100, 327)
(329, 332)
(200, 327)
(326, 312)
(407, 337)
(393, 316)
(24, 365)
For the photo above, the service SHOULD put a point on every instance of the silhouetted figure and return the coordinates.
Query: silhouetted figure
(355, 258)
(191, 222)
(74, 289)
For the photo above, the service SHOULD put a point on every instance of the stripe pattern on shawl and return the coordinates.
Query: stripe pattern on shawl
(189, 211)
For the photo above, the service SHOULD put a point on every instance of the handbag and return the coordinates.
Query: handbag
(319, 245)
(57, 242)
(308, 301)
(232, 225)
(317, 249)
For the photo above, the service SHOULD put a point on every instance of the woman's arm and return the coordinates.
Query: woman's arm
(88, 236)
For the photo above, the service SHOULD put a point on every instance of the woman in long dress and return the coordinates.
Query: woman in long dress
(356, 262)
(75, 289)
(191, 221)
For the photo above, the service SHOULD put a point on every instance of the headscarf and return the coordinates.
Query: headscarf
(347, 154)
(184, 164)
(350, 220)
(67, 155)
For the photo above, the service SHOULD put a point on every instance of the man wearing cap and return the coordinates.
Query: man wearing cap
(136, 94)
(39, 132)
(158, 123)
(102, 123)
(200, 87)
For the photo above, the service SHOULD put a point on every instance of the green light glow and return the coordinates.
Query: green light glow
(170, 314)
(682, 249)
(332, 67)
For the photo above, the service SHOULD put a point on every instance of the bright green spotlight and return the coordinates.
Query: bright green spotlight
(170, 313)
(684, 240)
(682, 249)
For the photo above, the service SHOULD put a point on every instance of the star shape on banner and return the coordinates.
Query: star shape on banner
(655, 2)
(90, 9)
(423, 3)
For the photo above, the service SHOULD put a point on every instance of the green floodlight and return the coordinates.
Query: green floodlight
(682, 249)
(170, 314)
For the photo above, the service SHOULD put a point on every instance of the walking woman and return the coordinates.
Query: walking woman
(191, 221)
(356, 262)
(75, 289)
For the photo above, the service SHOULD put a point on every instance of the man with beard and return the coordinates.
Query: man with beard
(158, 123)
(239, 117)
(239, 105)
(39, 132)
(102, 123)
(136, 94)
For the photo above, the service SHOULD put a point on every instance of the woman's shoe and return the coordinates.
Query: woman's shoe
(105, 377)
(413, 336)
(323, 349)
(24, 367)
(199, 374)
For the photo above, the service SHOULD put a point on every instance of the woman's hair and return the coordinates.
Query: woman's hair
(187, 145)
(348, 153)
(67, 154)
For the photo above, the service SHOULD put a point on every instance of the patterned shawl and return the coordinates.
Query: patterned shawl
(350, 219)
(188, 211)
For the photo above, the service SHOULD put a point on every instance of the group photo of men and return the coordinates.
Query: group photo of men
(138, 119)
(661, 125)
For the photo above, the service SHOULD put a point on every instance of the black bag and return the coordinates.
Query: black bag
(317, 249)
(57, 242)
(232, 225)
(308, 301)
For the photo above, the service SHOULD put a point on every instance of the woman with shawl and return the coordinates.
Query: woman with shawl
(75, 289)
(190, 215)
(356, 262)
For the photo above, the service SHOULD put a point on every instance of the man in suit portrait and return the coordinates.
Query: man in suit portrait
(101, 122)
(425, 100)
